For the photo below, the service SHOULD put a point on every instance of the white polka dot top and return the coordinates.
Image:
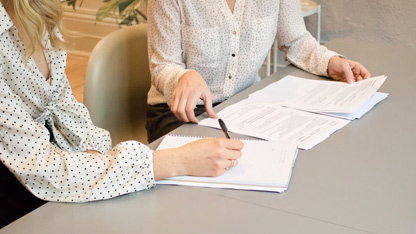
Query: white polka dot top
(51, 163)
(226, 48)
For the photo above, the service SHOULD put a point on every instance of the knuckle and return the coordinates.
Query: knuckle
(221, 154)
(189, 109)
(218, 142)
(217, 165)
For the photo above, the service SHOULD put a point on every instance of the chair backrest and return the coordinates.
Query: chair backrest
(116, 84)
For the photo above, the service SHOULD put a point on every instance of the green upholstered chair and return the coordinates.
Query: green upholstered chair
(116, 83)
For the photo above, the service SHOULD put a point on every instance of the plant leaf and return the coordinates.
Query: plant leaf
(73, 3)
(129, 19)
(125, 10)
(123, 5)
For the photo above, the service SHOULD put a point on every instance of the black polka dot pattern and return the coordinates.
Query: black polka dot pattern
(53, 166)
(226, 48)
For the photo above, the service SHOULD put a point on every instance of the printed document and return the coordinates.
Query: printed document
(277, 123)
(374, 100)
(319, 95)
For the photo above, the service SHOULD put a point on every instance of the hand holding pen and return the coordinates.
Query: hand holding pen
(225, 130)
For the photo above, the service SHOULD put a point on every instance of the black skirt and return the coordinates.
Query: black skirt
(15, 199)
(160, 120)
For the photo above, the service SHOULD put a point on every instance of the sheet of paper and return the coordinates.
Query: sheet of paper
(277, 123)
(319, 95)
(374, 100)
(264, 165)
(278, 189)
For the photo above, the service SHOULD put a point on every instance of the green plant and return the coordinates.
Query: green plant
(125, 11)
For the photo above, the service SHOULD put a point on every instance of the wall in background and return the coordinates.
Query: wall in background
(385, 21)
(88, 31)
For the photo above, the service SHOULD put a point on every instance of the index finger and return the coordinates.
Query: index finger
(233, 144)
(208, 106)
(179, 108)
(190, 107)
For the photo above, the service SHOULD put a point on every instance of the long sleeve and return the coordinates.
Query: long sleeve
(56, 175)
(301, 48)
(165, 46)
(70, 122)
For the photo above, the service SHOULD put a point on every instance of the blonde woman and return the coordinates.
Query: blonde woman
(47, 140)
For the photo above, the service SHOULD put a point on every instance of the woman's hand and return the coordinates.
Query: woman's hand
(205, 157)
(191, 87)
(346, 70)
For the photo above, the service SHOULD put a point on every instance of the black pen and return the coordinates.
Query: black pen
(224, 128)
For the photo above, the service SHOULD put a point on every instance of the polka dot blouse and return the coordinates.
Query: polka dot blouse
(44, 131)
(226, 48)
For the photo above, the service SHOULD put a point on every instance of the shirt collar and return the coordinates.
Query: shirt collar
(5, 21)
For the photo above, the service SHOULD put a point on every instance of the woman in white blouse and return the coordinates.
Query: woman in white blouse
(203, 52)
(47, 140)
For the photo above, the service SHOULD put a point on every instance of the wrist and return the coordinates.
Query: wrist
(188, 74)
(168, 163)
(331, 61)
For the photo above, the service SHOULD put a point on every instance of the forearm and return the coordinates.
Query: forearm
(204, 157)
(167, 163)
(301, 48)
(54, 175)
(165, 46)
(72, 123)
(307, 54)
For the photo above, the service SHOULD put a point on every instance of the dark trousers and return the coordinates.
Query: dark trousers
(15, 199)
(160, 120)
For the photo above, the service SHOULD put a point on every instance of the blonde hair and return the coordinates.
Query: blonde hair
(38, 17)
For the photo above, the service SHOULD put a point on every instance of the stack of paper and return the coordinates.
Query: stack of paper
(277, 123)
(301, 111)
(334, 98)
(264, 165)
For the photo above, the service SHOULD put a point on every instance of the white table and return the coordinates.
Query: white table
(362, 179)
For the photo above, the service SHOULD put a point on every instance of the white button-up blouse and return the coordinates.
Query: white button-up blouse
(51, 163)
(226, 48)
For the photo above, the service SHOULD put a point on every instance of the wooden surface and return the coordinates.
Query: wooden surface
(75, 71)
